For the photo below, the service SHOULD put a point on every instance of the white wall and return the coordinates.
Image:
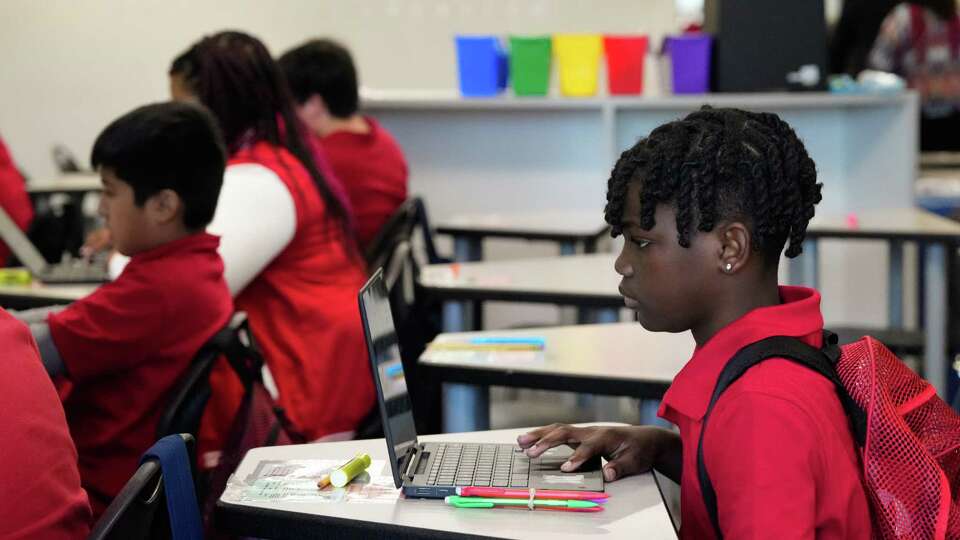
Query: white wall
(71, 66)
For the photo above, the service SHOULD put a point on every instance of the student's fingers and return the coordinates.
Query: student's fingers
(95, 242)
(528, 439)
(557, 435)
(601, 442)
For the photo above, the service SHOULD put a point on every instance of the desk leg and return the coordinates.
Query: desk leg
(935, 316)
(804, 270)
(648, 413)
(466, 407)
(607, 315)
(895, 289)
(465, 249)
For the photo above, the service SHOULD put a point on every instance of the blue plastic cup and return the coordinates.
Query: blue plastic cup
(690, 60)
(482, 65)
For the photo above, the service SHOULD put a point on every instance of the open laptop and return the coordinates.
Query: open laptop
(76, 271)
(435, 469)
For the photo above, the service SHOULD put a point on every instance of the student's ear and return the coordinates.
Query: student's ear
(165, 206)
(735, 250)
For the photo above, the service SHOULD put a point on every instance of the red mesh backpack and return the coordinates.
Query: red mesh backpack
(909, 438)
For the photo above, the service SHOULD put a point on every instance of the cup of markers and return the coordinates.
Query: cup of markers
(531, 499)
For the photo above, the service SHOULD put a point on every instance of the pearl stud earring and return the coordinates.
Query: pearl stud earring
(728, 268)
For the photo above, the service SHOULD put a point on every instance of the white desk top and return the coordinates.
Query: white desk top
(39, 293)
(576, 279)
(913, 223)
(527, 225)
(634, 510)
(67, 183)
(615, 351)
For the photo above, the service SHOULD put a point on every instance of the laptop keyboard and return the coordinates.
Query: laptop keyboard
(75, 272)
(488, 465)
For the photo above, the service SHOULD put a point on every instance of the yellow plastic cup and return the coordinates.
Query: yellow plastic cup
(578, 59)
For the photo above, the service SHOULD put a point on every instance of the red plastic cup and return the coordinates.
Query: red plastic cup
(625, 57)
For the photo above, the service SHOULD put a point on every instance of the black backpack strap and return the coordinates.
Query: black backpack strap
(822, 361)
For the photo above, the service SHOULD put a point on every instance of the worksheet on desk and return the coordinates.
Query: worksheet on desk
(296, 481)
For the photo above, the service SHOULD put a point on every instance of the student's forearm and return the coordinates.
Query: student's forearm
(669, 460)
(49, 354)
(35, 315)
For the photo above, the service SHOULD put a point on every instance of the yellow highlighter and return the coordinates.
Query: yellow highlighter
(350, 470)
(15, 276)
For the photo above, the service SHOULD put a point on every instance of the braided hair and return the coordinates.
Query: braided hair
(722, 164)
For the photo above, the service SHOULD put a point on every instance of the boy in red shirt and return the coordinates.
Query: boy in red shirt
(364, 156)
(125, 346)
(40, 493)
(706, 205)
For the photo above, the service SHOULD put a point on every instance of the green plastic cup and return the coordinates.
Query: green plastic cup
(530, 65)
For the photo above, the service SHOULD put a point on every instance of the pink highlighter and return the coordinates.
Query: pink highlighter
(504, 493)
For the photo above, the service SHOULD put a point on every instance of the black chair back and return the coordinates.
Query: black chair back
(397, 229)
(189, 399)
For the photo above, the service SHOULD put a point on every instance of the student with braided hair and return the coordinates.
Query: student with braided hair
(706, 205)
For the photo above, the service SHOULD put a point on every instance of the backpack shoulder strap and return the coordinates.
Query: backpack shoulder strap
(820, 360)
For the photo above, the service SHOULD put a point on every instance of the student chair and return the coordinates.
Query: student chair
(397, 229)
(189, 399)
(158, 501)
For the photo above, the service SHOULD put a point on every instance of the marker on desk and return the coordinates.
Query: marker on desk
(552, 504)
(506, 340)
(350, 470)
(554, 494)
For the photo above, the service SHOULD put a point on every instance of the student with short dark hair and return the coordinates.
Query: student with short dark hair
(290, 256)
(706, 205)
(125, 346)
(363, 154)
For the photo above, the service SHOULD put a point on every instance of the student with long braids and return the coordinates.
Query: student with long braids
(706, 205)
(289, 255)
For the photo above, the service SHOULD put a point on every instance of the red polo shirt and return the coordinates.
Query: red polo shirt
(13, 197)
(778, 446)
(125, 347)
(40, 493)
(374, 172)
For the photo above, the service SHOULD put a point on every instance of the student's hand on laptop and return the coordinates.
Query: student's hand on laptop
(628, 449)
(97, 241)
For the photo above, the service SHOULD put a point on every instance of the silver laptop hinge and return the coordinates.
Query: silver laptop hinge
(413, 461)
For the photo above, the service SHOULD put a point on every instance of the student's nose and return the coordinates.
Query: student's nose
(622, 267)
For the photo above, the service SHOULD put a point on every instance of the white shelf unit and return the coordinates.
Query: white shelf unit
(511, 154)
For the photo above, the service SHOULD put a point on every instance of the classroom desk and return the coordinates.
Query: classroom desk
(635, 508)
(568, 229)
(79, 183)
(933, 234)
(38, 294)
(619, 359)
(584, 281)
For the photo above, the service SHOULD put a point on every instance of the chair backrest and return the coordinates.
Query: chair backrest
(139, 511)
(397, 229)
(423, 223)
(189, 399)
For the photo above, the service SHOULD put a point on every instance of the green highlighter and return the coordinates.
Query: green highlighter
(484, 502)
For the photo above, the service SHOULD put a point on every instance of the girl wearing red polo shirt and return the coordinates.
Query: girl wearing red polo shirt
(288, 252)
(706, 205)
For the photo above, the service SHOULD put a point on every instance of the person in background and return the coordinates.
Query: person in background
(40, 493)
(291, 260)
(363, 154)
(125, 346)
(920, 41)
(13, 197)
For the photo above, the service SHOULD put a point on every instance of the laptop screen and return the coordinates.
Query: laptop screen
(396, 409)
(20, 245)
